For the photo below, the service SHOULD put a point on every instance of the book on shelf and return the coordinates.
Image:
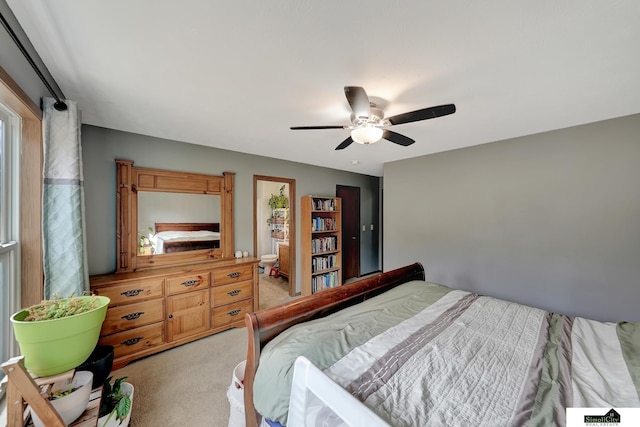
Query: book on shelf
(324, 281)
(323, 224)
(324, 244)
(324, 262)
(320, 204)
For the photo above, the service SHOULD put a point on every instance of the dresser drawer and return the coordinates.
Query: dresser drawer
(240, 273)
(139, 290)
(131, 316)
(235, 312)
(135, 340)
(187, 282)
(227, 294)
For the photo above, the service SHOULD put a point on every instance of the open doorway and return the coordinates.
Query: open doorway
(274, 237)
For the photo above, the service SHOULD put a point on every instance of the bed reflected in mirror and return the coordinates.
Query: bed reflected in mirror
(177, 222)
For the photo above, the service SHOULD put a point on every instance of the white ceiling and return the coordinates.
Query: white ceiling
(237, 74)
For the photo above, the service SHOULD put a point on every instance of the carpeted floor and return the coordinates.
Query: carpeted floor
(187, 385)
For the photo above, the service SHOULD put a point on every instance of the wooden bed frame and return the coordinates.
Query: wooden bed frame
(264, 325)
(191, 245)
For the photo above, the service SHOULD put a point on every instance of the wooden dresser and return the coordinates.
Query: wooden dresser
(283, 259)
(155, 310)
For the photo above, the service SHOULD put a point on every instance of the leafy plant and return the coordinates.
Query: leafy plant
(143, 239)
(114, 401)
(279, 201)
(56, 308)
(59, 394)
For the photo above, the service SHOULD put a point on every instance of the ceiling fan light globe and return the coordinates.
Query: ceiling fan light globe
(366, 134)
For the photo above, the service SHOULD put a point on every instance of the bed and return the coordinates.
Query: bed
(416, 353)
(185, 236)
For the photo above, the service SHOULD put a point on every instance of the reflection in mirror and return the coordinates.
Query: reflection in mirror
(177, 222)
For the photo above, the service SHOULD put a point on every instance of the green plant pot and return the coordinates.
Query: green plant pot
(53, 346)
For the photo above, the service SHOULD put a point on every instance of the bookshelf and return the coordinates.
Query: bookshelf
(321, 239)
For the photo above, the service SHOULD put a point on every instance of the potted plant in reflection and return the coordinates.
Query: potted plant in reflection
(145, 244)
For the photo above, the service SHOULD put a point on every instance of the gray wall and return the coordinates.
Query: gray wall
(551, 220)
(15, 64)
(102, 146)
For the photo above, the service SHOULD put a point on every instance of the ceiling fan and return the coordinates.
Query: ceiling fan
(368, 124)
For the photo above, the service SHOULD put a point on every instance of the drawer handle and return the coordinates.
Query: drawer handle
(234, 312)
(132, 292)
(133, 316)
(234, 274)
(132, 341)
(192, 282)
(234, 292)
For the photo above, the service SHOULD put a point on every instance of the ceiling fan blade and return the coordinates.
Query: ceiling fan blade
(344, 144)
(424, 114)
(397, 138)
(359, 101)
(318, 127)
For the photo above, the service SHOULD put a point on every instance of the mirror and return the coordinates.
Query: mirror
(175, 222)
(168, 218)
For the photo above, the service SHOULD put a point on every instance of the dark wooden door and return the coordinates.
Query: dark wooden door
(350, 230)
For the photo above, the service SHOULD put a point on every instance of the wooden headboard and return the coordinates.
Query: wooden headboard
(187, 226)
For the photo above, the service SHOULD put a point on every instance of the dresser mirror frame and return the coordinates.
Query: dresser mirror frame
(131, 180)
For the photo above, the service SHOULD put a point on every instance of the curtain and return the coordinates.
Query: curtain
(66, 271)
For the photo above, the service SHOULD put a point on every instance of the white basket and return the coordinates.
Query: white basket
(235, 394)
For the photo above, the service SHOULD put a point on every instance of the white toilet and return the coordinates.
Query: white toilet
(268, 261)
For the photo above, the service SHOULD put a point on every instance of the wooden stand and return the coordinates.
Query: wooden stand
(22, 389)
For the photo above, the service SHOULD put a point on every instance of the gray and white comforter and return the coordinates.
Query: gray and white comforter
(423, 354)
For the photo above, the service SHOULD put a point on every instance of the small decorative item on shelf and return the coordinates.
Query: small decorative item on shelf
(59, 334)
(69, 398)
(116, 403)
(238, 254)
(245, 254)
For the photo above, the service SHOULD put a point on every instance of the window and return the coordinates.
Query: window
(9, 228)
